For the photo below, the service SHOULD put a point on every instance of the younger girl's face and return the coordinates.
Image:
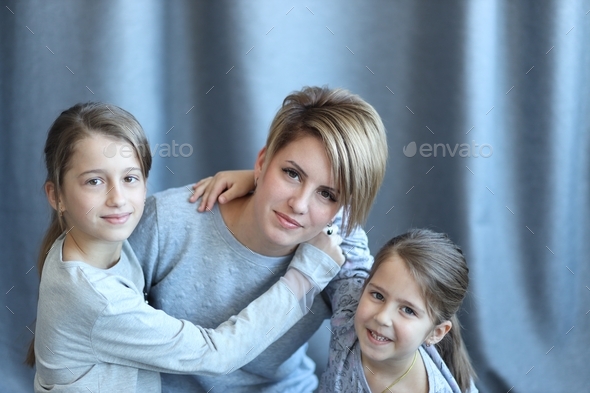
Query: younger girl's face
(391, 321)
(103, 191)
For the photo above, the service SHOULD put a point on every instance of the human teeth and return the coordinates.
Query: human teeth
(378, 337)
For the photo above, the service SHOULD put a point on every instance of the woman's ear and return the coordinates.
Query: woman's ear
(51, 197)
(258, 165)
(439, 332)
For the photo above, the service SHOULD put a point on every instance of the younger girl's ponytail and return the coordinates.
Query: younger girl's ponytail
(454, 353)
(440, 269)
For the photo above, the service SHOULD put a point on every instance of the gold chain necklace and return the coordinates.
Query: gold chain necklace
(403, 375)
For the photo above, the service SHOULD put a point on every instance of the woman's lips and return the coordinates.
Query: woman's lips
(287, 222)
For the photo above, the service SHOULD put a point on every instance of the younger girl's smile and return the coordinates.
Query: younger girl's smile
(377, 338)
(391, 321)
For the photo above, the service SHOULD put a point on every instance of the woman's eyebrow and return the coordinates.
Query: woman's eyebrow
(305, 174)
(297, 167)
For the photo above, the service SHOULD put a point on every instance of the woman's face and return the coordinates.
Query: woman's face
(296, 195)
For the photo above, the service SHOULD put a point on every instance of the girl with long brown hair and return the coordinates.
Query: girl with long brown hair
(94, 330)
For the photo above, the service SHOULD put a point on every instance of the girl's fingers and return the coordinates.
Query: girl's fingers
(202, 206)
(199, 188)
(230, 194)
(210, 194)
(223, 187)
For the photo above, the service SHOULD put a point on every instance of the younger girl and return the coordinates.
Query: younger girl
(389, 340)
(95, 331)
(406, 312)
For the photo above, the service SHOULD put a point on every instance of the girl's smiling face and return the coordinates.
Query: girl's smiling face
(103, 191)
(391, 321)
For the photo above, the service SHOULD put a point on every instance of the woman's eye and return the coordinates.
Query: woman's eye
(291, 173)
(328, 195)
(377, 295)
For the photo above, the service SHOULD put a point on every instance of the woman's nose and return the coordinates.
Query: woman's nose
(300, 202)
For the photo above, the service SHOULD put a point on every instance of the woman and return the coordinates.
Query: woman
(322, 165)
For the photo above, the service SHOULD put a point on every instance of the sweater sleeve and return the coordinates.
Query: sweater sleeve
(130, 332)
(355, 270)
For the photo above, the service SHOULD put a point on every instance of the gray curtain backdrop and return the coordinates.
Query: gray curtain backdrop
(486, 105)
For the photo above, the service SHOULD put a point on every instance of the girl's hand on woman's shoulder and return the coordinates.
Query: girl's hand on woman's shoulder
(223, 187)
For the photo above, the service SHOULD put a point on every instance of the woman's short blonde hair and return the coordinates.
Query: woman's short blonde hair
(354, 138)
